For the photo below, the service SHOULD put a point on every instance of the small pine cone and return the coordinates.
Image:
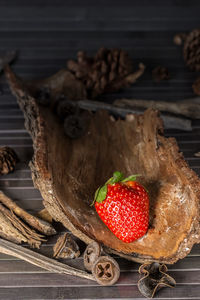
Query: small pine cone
(99, 73)
(191, 50)
(160, 73)
(196, 86)
(8, 160)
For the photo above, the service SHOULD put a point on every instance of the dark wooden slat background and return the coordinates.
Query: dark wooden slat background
(47, 33)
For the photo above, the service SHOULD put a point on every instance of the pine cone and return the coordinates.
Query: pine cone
(196, 86)
(8, 160)
(106, 71)
(191, 50)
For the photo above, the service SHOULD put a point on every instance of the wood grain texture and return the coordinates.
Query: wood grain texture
(47, 33)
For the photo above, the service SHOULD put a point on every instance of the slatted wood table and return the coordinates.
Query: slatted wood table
(47, 33)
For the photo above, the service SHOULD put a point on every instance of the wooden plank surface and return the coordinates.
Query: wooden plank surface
(47, 33)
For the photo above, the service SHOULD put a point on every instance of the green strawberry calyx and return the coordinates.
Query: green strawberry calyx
(101, 192)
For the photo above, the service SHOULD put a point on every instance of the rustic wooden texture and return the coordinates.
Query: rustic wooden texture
(47, 34)
(63, 171)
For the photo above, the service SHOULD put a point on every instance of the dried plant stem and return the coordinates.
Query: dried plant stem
(41, 261)
(120, 111)
(188, 107)
(12, 228)
(40, 225)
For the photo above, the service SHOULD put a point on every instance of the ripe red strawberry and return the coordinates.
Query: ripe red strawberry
(123, 205)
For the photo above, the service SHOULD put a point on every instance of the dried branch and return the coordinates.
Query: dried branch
(39, 224)
(13, 229)
(41, 261)
(189, 108)
(169, 121)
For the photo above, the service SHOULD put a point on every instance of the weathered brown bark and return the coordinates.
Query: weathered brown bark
(67, 172)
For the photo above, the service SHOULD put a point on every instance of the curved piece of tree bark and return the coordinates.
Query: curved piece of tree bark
(67, 172)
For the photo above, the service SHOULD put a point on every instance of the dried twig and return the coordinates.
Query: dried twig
(40, 225)
(169, 121)
(13, 229)
(189, 107)
(41, 261)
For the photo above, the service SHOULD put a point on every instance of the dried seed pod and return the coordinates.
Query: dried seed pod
(106, 270)
(91, 254)
(74, 126)
(154, 279)
(66, 108)
(43, 96)
(8, 160)
(66, 247)
(196, 86)
(160, 73)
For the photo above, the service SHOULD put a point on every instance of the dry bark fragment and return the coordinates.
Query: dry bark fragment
(63, 170)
